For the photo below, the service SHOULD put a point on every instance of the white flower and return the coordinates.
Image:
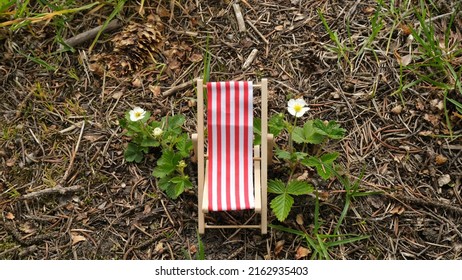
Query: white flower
(137, 114)
(297, 107)
(157, 131)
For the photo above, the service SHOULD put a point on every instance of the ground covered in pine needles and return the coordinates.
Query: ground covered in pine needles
(66, 191)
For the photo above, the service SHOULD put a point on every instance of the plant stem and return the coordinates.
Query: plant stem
(291, 144)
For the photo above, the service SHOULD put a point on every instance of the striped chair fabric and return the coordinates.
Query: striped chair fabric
(230, 141)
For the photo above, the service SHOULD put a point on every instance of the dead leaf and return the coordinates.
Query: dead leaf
(97, 68)
(425, 133)
(159, 248)
(397, 109)
(440, 159)
(407, 30)
(398, 158)
(117, 95)
(302, 252)
(405, 60)
(147, 209)
(444, 180)
(155, 90)
(9, 216)
(193, 249)
(369, 10)
(433, 119)
(137, 83)
(196, 57)
(299, 219)
(27, 228)
(397, 210)
(11, 162)
(76, 238)
(437, 104)
(299, 17)
(420, 106)
(92, 138)
(303, 177)
(279, 246)
(279, 28)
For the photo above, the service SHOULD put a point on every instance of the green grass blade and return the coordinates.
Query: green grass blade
(347, 240)
(201, 249)
(120, 5)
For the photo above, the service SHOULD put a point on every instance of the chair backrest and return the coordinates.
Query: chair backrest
(230, 142)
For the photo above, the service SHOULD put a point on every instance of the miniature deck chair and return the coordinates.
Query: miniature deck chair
(235, 175)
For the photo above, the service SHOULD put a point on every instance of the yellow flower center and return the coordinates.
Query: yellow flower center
(298, 107)
(137, 114)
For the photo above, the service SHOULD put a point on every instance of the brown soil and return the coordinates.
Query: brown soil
(60, 130)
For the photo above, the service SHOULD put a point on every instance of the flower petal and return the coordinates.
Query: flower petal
(292, 111)
(291, 103)
(303, 111)
(301, 102)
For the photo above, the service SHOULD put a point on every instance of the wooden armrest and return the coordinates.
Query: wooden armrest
(194, 140)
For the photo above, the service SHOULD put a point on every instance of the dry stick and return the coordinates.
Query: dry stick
(91, 34)
(250, 59)
(432, 203)
(174, 89)
(239, 17)
(54, 190)
(258, 32)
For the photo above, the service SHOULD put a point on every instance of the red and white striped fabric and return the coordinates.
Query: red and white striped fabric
(230, 137)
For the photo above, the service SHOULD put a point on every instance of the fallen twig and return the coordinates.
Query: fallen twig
(174, 89)
(54, 190)
(432, 203)
(250, 59)
(257, 31)
(239, 17)
(91, 34)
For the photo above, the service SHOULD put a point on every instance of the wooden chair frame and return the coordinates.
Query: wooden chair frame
(262, 156)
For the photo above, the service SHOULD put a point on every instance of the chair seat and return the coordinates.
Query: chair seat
(233, 175)
(230, 135)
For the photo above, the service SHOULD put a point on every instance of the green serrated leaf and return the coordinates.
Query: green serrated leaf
(311, 134)
(323, 165)
(160, 171)
(298, 135)
(175, 190)
(329, 158)
(282, 154)
(308, 134)
(281, 206)
(149, 142)
(331, 129)
(184, 145)
(134, 127)
(164, 183)
(299, 156)
(166, 164)
(299, 188)
(276, 124)
(179, 184)
(133, 153)
(276, 186)
(175, 121)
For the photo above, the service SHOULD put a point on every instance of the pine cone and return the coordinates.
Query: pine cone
(135, 46)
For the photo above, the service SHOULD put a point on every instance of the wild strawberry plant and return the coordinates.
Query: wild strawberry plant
(166, 135)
